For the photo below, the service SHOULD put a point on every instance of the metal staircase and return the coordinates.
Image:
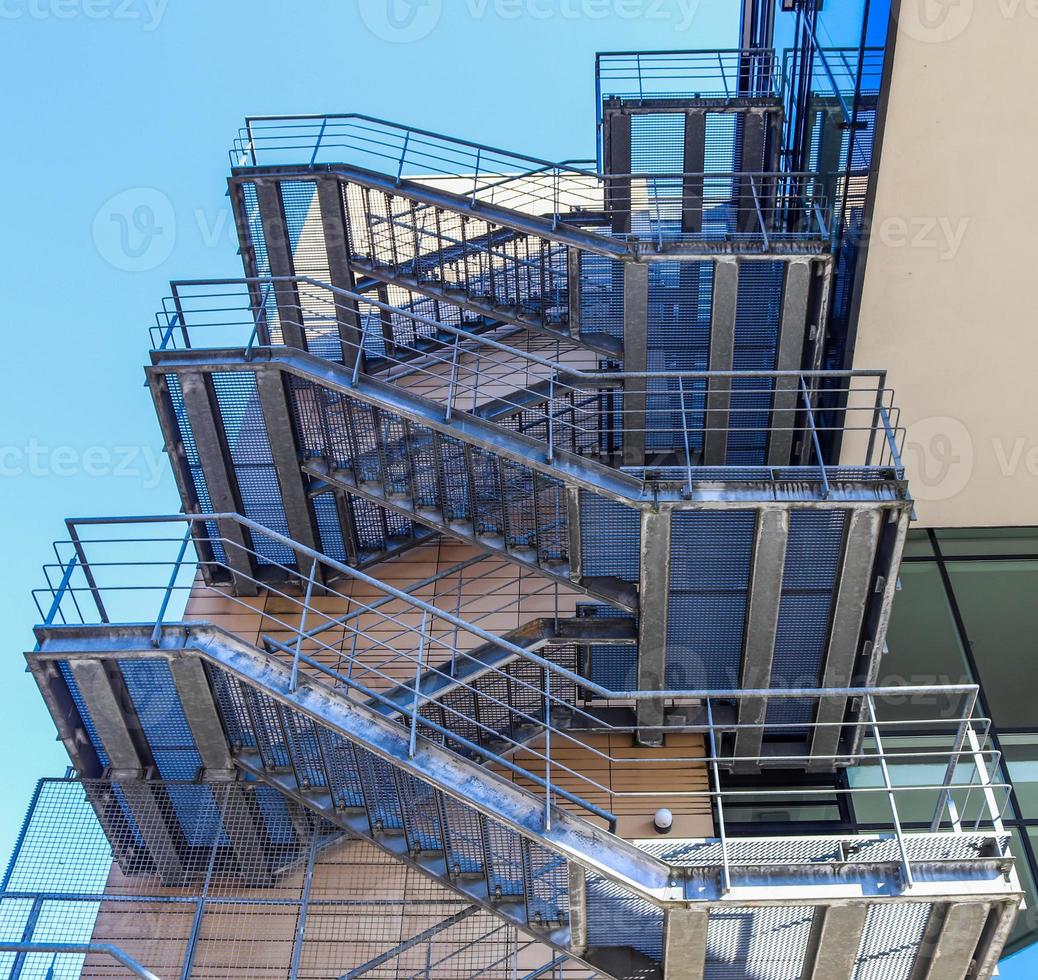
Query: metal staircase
(610, 381)
(131, 698)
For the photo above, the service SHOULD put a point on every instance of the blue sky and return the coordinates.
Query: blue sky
(114, 103)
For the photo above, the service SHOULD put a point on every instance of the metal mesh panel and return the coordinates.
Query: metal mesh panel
(757, 943)
(711, 554)
(680, 299)
(602, 295)
(813, 555)
(890, 941)
(758, 316)
(610, 538)
(194, 463)
(249, 449)
(617, 918)
(547, 885)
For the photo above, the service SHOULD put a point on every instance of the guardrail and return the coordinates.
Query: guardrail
(519, 381)
(371, 641)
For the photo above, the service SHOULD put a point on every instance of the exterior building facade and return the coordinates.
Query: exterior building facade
(528, 613)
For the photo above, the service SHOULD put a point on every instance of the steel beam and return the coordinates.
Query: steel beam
(684, 943)
(949, 946)
(851, 597)
(573, 291)
(243, 825)
(577, 883)
(617, 138)
(722, 352)
(792, 334)
(653, 591)
(751, 161)
(694, 165)
(335, 228)
(108, 707)
(203, 719)
(636, 358)
(204, 418)
(279, 255)
(834, 942)
(277, 419)
(765, 598)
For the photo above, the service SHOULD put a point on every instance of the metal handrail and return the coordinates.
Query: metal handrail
(710, 698)
(82, 949)
(566, 381)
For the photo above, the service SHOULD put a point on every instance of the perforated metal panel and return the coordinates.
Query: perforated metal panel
(757, 943)
(711, 552)
(617, 918)
(757, 324)
(610, 536)
(194, 463)
(890, 941)
(813, 555)
(249, 449)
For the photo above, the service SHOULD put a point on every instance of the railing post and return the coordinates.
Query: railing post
(302, 626)
(547, 750)
(895, 818)
(454, 380)
(549, 411)
(403, 157)
(417, 687)
(726, 872)
(317, 145)
(156, 633)
(814, 436)
(55, 606)
(360, 354)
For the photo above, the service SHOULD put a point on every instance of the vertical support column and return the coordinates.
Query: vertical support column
(693, 166)
(203, 416)
(750, 161)
(618, 161)
(653, 592)
(196, 698)
(573, 290)
(769, 559)
(830, 157)
(851, 597)
(270, 386)
(636, 358)
(792, 333)
(279, 254)
(576, 547)
(335, 228)
(950, 943)
(836, 933)
(684, 943)
(577, 878)
(722, 352)
(109, 705)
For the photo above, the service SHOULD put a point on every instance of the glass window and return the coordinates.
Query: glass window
(997, 600)
(917, 545)
(1020, 753)
(923, 645)
(988, 541)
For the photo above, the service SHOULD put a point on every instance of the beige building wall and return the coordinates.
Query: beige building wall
(949, 301)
